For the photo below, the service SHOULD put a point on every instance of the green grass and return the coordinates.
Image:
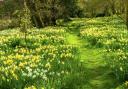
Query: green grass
(98, 73)
(99, 76)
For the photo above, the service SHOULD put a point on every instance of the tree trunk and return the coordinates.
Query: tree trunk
(35, 21)
(38, 12)
(112, 6)
(34, 7)
(53, 13)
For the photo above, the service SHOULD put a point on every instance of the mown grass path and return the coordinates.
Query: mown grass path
(98, 75)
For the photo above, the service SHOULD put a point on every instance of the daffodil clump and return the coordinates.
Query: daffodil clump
(118, 62)
(117, 57)
(103, 36)
(42, 63)
(100, 32)
(94, 36)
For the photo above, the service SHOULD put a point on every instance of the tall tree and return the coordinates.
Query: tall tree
(25, 21)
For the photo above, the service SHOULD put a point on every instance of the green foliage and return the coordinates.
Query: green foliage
(25, 22)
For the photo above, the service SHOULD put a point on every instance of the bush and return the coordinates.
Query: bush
(14, 23)
(4, 24)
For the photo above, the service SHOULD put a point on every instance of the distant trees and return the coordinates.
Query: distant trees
(7, 7)
(43, 12)
(100, 8)
(46, 12)
(95, 8)
(121, 7)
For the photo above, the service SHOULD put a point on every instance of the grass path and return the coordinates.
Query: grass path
(98, 75)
